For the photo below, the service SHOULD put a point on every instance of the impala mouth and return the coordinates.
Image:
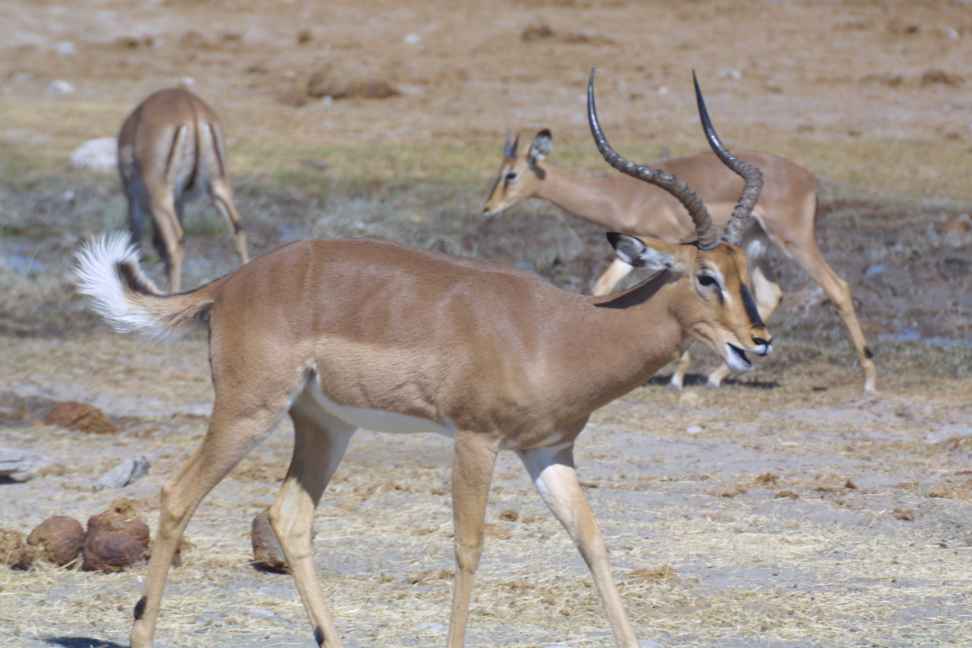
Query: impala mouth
(736, 358)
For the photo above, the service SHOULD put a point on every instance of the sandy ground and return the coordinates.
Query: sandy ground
(784, 510)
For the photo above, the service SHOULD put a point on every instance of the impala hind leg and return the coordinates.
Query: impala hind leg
(320, 442)
(168, 237)
(617, 271)
(472, 473)
(840, 295)
(552, 471)
(222, 196)
(228, 440)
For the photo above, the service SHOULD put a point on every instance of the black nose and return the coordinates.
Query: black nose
(761, 341)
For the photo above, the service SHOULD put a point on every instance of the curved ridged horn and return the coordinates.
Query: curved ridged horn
(708, 237)
(511, 144)
(753, 177)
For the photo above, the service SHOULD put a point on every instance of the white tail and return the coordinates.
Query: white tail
(107, 270)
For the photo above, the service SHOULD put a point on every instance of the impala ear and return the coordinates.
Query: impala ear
(637, 253)
(539, 149)
(510, 145)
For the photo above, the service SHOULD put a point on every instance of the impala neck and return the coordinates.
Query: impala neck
(621, 340)
(590, 198)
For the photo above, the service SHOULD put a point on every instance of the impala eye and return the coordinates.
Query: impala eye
(511, 176)
(707, 280)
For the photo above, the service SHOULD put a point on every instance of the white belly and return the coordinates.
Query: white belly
(375, 419)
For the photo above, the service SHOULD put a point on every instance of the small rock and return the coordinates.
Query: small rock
(58, 539)
(951, 33)
(413, 39)
(14, 552)
(21, 465)
(904, 514)
(97, 155)
(874, 270)
(60, 88)
(304, 36)
(65, 48)
(663, 90)
(431, 628)
(81, 417)
(128, 471)
(116, 539)
(937, 76)
(694, 429)
(730, 73)
(536, 32)
(187, 81)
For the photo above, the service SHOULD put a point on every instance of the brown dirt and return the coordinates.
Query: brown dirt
(786, 509)
(80, 417)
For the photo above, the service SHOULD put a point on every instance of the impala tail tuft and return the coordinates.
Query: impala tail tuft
(107, 270)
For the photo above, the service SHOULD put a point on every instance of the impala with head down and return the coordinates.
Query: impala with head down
(786, 212)
(170, 149)
(348, 334)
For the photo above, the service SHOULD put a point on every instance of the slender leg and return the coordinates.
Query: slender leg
(223, 199)
(617, 271)
(319, 445)
(678, 376)
(552, 471)
(227, 442)
(801, 244)
(718, 374)
(472, 473)
(840, 294)
(136, 216)
(168, 236)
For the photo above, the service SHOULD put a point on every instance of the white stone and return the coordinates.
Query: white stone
(96, 155)
(413, 39)
(65, 48)
(20, 465)
(730, 73)
(128, 471)
(60, 87)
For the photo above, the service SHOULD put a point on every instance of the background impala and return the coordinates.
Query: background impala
(786, 213)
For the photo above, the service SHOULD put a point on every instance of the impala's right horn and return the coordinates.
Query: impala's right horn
(742, 215)
(708, 237)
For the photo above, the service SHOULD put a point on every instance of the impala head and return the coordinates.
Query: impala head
(520, 173)
(718, 307)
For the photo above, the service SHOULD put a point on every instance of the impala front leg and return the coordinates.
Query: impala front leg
(552, 471)
(472, 473)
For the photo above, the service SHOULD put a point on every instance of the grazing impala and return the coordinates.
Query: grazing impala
(170, 149)
(786, 211)
(349, 334)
